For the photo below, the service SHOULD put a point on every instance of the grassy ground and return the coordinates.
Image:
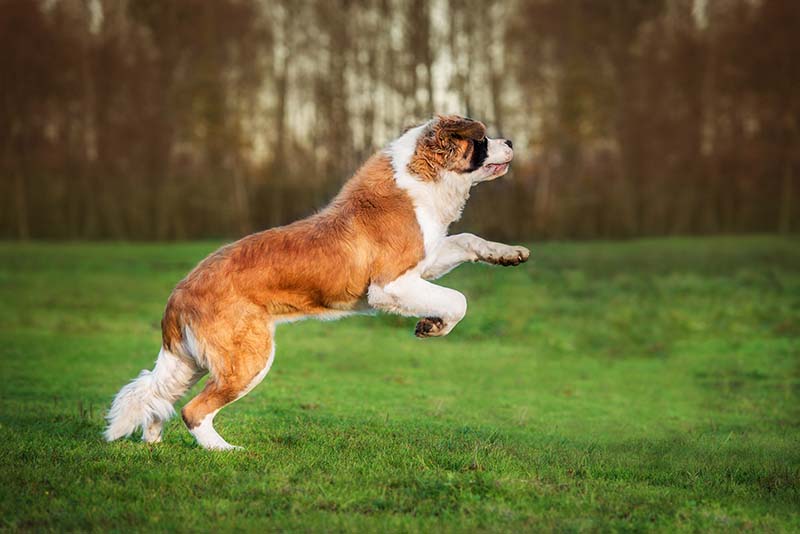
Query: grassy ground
(602, 386)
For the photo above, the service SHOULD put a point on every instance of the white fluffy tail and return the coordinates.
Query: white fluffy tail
(147, 400)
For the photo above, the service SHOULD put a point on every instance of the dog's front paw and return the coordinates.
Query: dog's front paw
(509, 255)
(429, 327)
(515, 256)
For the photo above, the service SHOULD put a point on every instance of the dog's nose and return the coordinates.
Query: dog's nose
(509, 143)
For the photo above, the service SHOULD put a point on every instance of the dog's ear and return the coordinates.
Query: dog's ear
(441, 142)
(455, 127)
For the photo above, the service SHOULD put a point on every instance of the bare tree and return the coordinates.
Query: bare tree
(170, 120)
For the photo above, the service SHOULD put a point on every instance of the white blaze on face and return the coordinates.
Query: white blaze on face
(498, 157)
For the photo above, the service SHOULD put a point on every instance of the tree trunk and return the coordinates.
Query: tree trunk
(21, 201)
(787, 184)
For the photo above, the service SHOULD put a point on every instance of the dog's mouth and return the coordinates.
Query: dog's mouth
(498, 168)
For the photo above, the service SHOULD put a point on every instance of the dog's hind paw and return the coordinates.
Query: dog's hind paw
(429, 327)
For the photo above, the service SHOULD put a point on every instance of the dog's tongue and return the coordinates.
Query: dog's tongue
(494, 167)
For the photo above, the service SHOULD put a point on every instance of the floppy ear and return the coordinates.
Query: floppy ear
(440, 142)
(455, 127)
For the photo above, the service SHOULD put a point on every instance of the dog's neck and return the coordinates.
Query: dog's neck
(437, 203)
(447, 197)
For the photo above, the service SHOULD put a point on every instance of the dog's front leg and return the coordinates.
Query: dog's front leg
(441, 308)
(460, 248)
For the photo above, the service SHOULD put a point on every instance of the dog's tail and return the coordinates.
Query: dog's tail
(149, 397)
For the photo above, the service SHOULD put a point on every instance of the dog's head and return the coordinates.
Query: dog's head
(458, 145)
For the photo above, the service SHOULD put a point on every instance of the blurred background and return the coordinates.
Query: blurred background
(152, 119)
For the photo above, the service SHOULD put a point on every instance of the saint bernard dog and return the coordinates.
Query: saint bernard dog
(376, 246)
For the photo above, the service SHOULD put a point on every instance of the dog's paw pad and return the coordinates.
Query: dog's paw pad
(429, 326)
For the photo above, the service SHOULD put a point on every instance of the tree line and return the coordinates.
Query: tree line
(152, 119)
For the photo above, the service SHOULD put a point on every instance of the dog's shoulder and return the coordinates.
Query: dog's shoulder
(384, 217)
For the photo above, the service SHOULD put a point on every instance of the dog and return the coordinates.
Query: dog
(376, 246)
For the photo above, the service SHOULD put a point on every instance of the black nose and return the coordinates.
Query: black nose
(509, 143)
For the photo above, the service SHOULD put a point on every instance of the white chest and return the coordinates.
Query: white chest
(436, 204)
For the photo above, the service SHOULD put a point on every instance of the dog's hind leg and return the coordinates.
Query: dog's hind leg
(244, 365)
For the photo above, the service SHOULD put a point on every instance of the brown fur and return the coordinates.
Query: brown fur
(444, 145)
(320, 265)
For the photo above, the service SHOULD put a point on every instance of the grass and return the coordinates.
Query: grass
(646, 385)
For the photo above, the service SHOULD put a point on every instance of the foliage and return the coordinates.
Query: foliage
(200, 118)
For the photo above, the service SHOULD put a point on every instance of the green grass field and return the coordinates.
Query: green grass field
(647, 385)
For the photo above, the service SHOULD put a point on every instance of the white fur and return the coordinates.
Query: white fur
(330, 315)
(208, 438)
(194, 348)
(452, 252)
(457, 249)
(412, 296)
(147, 400)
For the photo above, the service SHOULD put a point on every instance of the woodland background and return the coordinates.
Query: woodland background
(151, 119)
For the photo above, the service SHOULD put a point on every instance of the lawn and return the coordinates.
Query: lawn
(605, 386)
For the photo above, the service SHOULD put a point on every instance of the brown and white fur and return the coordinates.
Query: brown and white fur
(375, 247)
